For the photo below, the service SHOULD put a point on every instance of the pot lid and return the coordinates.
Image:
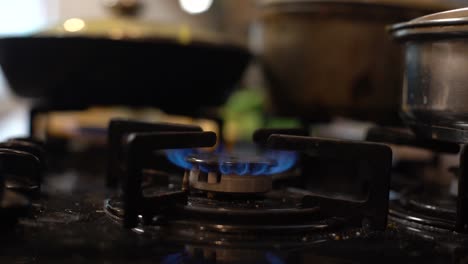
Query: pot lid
(444, 23)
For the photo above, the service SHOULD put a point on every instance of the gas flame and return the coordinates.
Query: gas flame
(271, 162)
(178, 157)
(285, 160)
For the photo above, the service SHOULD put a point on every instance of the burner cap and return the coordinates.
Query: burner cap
(230, 164)
(229, 174)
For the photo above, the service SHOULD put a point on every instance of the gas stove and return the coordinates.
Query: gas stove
(171, 194)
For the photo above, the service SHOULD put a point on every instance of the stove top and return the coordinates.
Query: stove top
(76, 227)
(218, 207)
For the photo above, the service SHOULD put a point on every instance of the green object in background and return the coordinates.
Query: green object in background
(244, 113)
(245, 100)
(282, 122)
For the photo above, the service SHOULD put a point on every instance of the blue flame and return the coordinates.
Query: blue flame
(271, 162)
(285, 160)
(234, 168)
(259, 169)
(273, 259)
(173, 258)
(178, 156)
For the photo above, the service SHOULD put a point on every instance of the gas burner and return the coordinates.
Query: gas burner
(282, 212)
(229, 183)
(26, 171)
(429, 211)
(20, 176)
(232, 164)
(229, 174)
(429, 207)
(216, 192)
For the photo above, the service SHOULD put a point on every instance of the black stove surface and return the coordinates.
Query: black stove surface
(77, 219)
(69, 223)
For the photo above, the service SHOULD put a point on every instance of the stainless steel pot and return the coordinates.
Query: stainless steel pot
(435, 86)
(325, 58)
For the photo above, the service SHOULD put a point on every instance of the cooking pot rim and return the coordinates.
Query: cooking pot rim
(417, 5)
(445, 23)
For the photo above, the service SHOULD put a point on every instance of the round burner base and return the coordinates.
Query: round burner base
(277, 219)
(275, 211)
(427, 207)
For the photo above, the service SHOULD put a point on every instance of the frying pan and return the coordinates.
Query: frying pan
(76, 70)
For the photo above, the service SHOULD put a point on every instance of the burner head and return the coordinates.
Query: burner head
(229, 174)
(430, 207)
(268, 163)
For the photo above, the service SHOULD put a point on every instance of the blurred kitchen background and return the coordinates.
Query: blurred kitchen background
(247, 108)
(25, 17)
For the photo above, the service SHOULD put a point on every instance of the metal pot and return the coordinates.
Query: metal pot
(435, 91)
(326, 58)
